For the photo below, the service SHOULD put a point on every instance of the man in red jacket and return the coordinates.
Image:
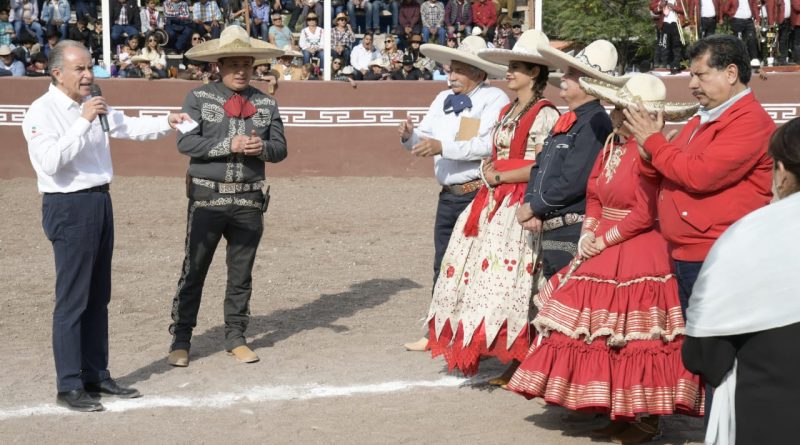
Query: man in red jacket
(716, 170)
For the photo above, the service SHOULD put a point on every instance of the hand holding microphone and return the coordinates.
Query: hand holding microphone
(96, 106)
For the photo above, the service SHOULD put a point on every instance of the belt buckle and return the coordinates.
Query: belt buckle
(226, 188)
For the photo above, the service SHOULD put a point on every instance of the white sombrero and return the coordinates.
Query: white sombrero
(645, 87)
(598, 60)
(525, 50)
(288, 51)
(233, 42)
(466, 53)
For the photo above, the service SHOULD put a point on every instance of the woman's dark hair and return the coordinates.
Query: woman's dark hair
(540, 81)
(723, 50)
(784, 146)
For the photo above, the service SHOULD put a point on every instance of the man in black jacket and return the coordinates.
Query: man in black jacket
(125, 20)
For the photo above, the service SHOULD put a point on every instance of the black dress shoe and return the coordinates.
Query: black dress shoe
(78, 400)
(110, 387)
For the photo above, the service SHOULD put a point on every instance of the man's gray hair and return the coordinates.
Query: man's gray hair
(56, 59)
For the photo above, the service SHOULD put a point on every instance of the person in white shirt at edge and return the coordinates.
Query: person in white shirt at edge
(456, 160)
(70, 154)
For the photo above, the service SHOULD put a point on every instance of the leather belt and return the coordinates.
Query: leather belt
(228, 188)
(96, 189)
(463, 189)
(561, 221)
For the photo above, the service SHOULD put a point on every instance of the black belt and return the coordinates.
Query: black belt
(96, 189)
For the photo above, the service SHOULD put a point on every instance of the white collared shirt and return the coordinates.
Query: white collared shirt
(360, 57)
(743, 11)
(460, 160)
(707, 9)
(671, 17)
(68, 152)
(714, 113)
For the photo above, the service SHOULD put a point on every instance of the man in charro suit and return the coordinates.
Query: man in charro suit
(239, 130)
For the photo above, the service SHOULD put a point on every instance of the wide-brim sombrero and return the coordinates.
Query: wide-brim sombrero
(233, 42)
(526, 49)
(598, 60)
(648, 89)
(466, 53)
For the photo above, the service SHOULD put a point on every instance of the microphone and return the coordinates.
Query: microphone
(95, 91)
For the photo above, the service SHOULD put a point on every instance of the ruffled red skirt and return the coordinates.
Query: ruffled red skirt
(466, 358)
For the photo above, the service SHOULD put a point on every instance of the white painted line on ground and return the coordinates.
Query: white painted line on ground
(254, 394)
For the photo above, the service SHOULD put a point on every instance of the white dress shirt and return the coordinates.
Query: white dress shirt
(360, 57)
(460, 160)
(68, 152)
(707, 9)
(743, 11)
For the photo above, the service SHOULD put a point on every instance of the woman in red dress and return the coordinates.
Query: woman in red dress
(610, 323)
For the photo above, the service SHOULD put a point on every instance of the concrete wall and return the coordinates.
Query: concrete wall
(332, 128)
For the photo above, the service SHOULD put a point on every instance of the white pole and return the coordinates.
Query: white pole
(107, 57)
(327, 11)
(537, 18)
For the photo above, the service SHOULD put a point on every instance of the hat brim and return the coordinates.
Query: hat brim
(211, 52)
(446, 56)
(506, 56)
(672, 111)
(563, 61)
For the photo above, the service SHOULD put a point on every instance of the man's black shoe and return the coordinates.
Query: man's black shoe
(78, 400)
(110, 387)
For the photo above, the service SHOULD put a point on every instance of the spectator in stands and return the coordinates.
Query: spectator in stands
(484, 14)
(179, 24)
(458, 17)
(196, 39)
(408, 71)
(377, 70)
(236, 12)
(80, 32)
(155, 55)
(124, 20)
(260, 68)
(207, 15)
(405, 38)
(336, 66)
(56, 15)
(409, 16)
(259, 24)
(194, 70)
(25, 48)
(280, 35)
(9, 66)
(271, 78)
(86, 9)
(142, 69)
(150, 18)
(366, 6)
(51, 39)
(38, 66)
(390, 54)
(285, 66)
(432, 13)
(308, 5)
(452, 40)
(311, 39)
(342, 37)
(310, 71)
(362, 55)
(516, 32)
(7, 33)
(502, 33)
(413, 49)
(96, 41)
(346, 75)
(382, 7)
(25, 17)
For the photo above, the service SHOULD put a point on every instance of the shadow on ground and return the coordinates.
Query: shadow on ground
(267, 330)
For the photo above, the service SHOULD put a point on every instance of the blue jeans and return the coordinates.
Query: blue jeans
(118, 30)
(34, 28)
(426, 34)
(261, 31)
(383, 5)
(686, 272)
(351, 11)
(84, 8)
(307, 55)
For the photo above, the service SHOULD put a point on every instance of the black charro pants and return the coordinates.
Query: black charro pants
(211, 216)
(80, 226)
(746, 31)
(559, 247)
(447, 211)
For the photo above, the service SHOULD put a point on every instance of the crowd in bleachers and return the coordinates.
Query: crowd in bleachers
(370, 39)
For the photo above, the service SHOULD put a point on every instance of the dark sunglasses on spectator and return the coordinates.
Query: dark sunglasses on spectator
(195, 38)
(390, 41)
(151, 40)
(277, 18)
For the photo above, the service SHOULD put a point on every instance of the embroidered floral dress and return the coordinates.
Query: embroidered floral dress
(482, 295)
(611, 333)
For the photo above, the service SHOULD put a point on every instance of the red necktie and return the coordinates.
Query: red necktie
(564, 123)
(237, 106)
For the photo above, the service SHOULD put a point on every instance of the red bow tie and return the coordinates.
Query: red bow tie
(237, 106)
(564, 123)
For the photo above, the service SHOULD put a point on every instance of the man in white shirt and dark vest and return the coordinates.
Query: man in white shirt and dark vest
(70, 153)
(240, 129)
(456, 132)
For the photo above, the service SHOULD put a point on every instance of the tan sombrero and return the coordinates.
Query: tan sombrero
(288, 51)
(645, 87)
(598, 60)
(525, 50)
(466, 53)
(139, 58)
(233, 42)
(379, 62)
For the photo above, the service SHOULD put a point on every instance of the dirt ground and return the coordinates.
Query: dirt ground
(342, 279)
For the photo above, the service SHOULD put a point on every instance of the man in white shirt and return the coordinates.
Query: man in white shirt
(70, 153)
(362, 55)
(710, 14)
(470, 107)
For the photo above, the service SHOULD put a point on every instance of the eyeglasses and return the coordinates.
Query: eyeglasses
(195, 38)
(277, 18)
(151, 41)
(390, 41)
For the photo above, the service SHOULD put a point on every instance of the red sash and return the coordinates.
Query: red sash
(516, 159)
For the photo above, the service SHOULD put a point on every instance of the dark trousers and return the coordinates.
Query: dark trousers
(81, 228)
(670, 45)
(447, 212)
(708, 26)
(687, 272)
(746, 31)
(784, 37)
(180, 34)
(559, 247)
(796, 44)
(212, 216)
